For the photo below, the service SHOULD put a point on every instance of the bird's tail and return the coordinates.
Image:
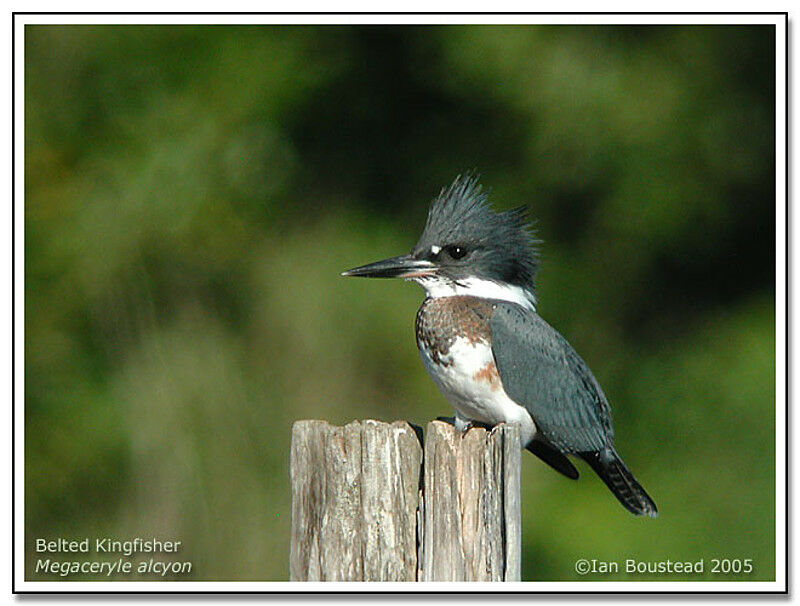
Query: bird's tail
(607, 464)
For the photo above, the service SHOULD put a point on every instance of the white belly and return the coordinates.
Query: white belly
(469, 380)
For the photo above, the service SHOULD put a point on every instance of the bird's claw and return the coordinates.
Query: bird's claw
(463, 425)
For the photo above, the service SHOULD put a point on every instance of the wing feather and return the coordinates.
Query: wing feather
(541, 371)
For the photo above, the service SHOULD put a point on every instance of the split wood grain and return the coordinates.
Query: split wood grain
(366, 506)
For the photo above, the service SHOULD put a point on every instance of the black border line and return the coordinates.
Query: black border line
(787, 153)
(393, 13)
(16, 591)
(13, 311)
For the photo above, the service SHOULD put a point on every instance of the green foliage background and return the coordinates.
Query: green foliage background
(192, 194)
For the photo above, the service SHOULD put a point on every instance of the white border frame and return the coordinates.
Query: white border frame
(780, 583)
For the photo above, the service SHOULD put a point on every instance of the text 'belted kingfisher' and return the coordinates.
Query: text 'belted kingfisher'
(488, 350)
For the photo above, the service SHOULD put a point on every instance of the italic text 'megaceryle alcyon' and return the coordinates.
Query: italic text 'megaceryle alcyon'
(488, 350)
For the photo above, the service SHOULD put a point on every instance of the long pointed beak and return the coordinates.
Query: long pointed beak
(404, 266)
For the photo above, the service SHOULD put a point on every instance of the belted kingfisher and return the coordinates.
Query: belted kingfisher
(487, 349)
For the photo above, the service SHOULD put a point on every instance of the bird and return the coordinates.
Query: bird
(488, 350)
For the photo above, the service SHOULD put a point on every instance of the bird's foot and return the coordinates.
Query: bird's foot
(462, 424)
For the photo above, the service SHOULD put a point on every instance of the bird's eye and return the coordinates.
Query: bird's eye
(456, 252)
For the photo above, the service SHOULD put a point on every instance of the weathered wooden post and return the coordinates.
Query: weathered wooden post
(470, 504)
(355, 492)
(368, 506)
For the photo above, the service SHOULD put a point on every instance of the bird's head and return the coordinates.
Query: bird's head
(467, 248)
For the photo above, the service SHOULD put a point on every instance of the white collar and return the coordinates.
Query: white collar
(436, 286)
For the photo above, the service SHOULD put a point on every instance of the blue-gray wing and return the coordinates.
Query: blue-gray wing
(541, 371)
